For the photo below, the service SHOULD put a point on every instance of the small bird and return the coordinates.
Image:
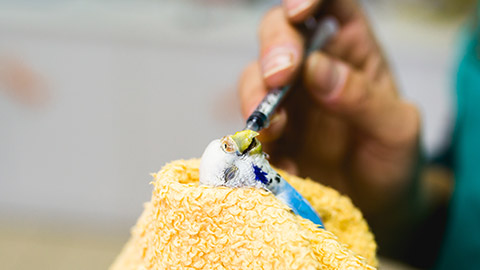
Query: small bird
(238, 161)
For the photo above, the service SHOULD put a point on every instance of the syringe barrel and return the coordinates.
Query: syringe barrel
(259, 119)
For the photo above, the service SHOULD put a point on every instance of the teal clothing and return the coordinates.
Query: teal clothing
(461, 247)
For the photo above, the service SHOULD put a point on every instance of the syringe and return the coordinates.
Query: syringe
(322, 32)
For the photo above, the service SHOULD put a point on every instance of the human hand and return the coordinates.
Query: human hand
(346, 125)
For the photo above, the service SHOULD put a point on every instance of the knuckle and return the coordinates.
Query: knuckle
(248, 71)
(269, 19)
(248, 80)
(411, 123)
(249, 86)
(271, 15)
(355, 96)
(407, 130)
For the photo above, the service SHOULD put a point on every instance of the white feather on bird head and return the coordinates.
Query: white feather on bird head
(228, 161)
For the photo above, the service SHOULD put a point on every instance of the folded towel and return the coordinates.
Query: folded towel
(187, 226)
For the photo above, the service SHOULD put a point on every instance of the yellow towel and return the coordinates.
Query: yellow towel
(187, 226)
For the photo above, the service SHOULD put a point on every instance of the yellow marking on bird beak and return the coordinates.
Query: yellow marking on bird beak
(243, 139)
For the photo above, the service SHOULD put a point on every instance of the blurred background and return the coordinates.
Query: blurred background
(96, 95)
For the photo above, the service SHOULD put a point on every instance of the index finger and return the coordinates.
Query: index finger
(281, 49)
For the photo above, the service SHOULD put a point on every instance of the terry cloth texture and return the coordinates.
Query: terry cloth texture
(187, 226)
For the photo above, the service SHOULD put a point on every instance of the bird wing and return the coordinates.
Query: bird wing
(299, 205)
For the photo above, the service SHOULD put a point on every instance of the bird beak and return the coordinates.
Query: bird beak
(246, 142)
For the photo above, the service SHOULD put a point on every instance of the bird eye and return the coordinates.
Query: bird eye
(227, 145)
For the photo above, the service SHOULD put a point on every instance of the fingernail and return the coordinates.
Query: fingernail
(329, 78)
(276, 60)
(337, 81)
(295, 7)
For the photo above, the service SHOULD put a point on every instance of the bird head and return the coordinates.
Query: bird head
(227, 161)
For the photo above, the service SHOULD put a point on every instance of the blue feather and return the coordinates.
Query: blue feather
(298, 203)
(260, 175)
